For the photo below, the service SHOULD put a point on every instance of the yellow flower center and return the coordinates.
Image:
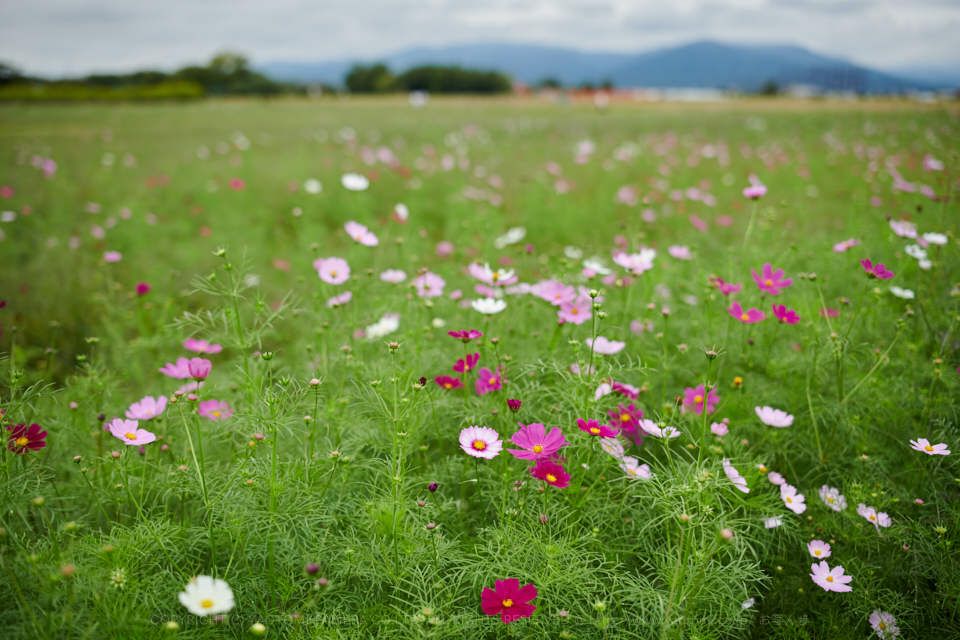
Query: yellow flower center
(817, 552)
(551, 477)
(744, 317)
(149, 413)
(333, 273)
(131, 436)
(625, 417)
(790, 500)
(207, 604)
(507, 603)
(479, 445)
(830, 500)
(358, 237)
(632, 472)
(216, 413)
(873, 517)
(496, 277)
(447, 385)
(492, 381)
(22, 442)
(928, 448)
(594, 430)
(537, 448)
(762, 469)
(769, 282)
(574, 311)
(882, 625)
(698, 400)
(829, 578)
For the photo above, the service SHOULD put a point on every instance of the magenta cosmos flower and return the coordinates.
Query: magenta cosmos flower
(143, 288)
(771, 281)
(429, 285)
(774, 417)
(465, 335)
(514, 405)
(147, 409)
(726, 288)
(755, 191)
(130, 432)
(332, 270)
(551, 473)
(215, 410)
(830, 580)
(508, 600)
(625, 389)
(604, 346)
(180, 370)
(361, 234)
(784, 315)
(744, 316)
(930, 449)
(447, 382)
(23, 438)
(340, 300)
(876, 270)
(198, 368)
(594, 428)
(696, 398)
(201, 346)
(535, 443)
(488, 381)
(627, 419)
(575, 311)
(481, 442)
(471, 362)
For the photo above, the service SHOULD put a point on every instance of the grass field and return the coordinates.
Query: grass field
(127, 229)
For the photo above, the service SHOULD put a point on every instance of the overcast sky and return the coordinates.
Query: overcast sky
(73, 37)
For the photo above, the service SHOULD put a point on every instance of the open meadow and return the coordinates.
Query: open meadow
(481, 368)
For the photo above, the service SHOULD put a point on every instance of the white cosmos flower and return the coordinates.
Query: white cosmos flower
(354, 181)
(596, 265)
(389, 323)
(204, 596)
(489, 306)
(935, 238)
(573, 253)
(906, 294)
(916, 251)
(312, 185)
(925, 265)
(636, 263)
(512, 236)
(393, 276)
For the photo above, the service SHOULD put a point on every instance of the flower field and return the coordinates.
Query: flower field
(356, 368)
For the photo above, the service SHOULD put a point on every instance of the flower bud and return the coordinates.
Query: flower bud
(431, 526)
(685, 517)
(433, 486)
(115, 455)
(312, 568)
(727, 534)
(258, 629)
(172, 625)
(314, 382)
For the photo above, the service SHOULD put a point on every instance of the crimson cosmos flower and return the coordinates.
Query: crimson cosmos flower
(23, 437)
(551, 473)
(508, 600)
(594, 428)
(449, 383)
(876, 270)
(471, 362)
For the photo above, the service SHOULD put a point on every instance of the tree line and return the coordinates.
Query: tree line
(378, 78)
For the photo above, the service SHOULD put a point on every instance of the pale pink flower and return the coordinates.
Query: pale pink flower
(480, 442)
(832, 498)
(830, 580)
(445, 248)
(656, 430)
(755, 191)
(904, 228)
(884, 624)
(603, 389)
(130, 432)
(738, 481)
(429, 285)
(841, 247)
(719, 429)
(632, 467)
(924, 445)
(332, 270)
(680, 252)
(932, 164)
(818, 549)
(772, 523)
(147, 408)
(340, 300)
(604, 346)
(776, 478)
(201, 346)
(556, 293)
(876, 519)
(774, 417)
(361, 234)
(112, 256)
(215, 410)
(575, 311)
(393, 276)
(180, 370)
(636, 263)
(793, 500)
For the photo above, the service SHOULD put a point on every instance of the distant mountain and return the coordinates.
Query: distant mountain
(946, 77)
(698, 65)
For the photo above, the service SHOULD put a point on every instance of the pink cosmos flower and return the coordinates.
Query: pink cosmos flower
(130, 432)
(876, 519)
(481, 442)
(215, 410)
(429, 285)
(576, 311)
(746, 317)
(393, 276)
(147, 409)
(695, 398)
(829, 313)
(793, 500)
(488, 381)
(726, 288)
(830, 580)
(555, 292)
(776, 478)
(771, 281)
(361, 234)
(594, 428)
(112, 256)
(627, 419)
(198, 368)
(632, 467)
(340, 300)
(719, 429)
(832, 498)
(191, 387)
(904, 228)
(464, 367)
(180, 370)
(237, 184)
(143, 288)
(448, 382)
(638, 328)
(508, 600)
(841, 247)
(332, 270)
(6, 192)
(932, 164)
(201, 346)
(784, 315)
(636, 263)
(625, 389)
(465, 335)
(774, 417)
(535, 443)
(884, 624)
(680, 252)
(755, 191)
(818, 549)
(876, 271)
(734, 476)
(551, 473)
(445, 249)
(772, 523)
(933, 450)
(605, 347)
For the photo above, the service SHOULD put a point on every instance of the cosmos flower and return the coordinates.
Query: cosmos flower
(612, 447)
(755, 191)
(632, 467)
(627, 419)
(23, 438)
(604, 346)
(551, 473)
(830, 580)
(696, 398)
(201, 346)
(746, 317)
(818, 549)
(876, 519)
(387, 324)
(719, 429)
(904, 228)
(680, 252)
(904, 294)
(354, 182)
(112, 256)
(772, 523)
(636, 263)
(448, 382)
(793, 500)
(514, 405)
(555, 292)
(594, 428)
(842, 247)
(393, 276)
(489, 306)
(575, 311)
(884, 624)
(784, 315)
(143, 288)
(429, 285)
(445, 248)
(535, 443)
(725, 287)
(876, 271)
(625, 389)
(215, 410)
(924, 445)
(481, 442)
(204, 596)
(465, 335)
(738, 481)
(488, 381)
(774, 417)
(332, 270)
(130, 432)
(340, 300)
(512, 236)
(361, 234)
(198, 368)
(654, 429)
(400, 213)
(180, 370)
(508, 600)
(776, 478)
(832, 498)
(936, 238)
(147, 408)
(771, 281)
